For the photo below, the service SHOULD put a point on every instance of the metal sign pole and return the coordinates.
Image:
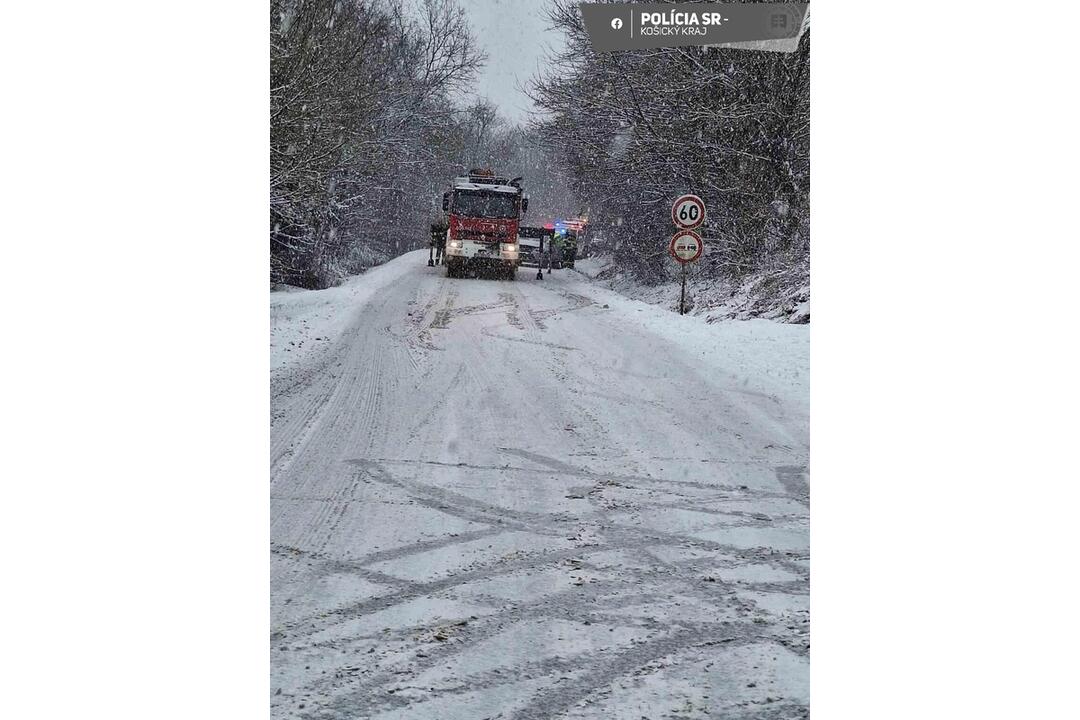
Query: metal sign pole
(682, 296)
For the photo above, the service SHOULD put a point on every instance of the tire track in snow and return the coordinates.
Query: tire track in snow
(614, 536)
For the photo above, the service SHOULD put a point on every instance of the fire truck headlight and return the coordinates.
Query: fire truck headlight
(454, 244)
(510, 247)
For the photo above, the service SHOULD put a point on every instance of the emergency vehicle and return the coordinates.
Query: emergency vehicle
(484, 211)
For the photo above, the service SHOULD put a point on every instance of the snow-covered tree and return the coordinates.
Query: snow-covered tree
(637, 128)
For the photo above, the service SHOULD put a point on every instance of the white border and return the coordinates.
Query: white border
(135, 516)
(944, 361)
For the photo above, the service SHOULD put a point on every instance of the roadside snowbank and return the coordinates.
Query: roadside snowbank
(757, 355)
(302, 322)
(782, 296)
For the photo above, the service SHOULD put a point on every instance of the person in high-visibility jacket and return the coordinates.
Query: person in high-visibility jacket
(553, 253)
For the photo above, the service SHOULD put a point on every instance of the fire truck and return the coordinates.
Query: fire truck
(484, 211)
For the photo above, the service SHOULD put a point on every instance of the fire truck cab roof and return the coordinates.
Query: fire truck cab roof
(488, 181)
(486, 184)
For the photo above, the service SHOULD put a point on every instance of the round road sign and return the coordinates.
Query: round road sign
(688, 212)
(686, 246)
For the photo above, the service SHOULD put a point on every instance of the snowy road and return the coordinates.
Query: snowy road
(534, 500)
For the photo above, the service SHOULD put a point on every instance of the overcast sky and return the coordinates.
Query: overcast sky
(515, 35)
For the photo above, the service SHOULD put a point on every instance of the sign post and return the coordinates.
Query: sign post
(686, 246)
(682, 293)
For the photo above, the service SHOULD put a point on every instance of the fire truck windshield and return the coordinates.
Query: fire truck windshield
(477, 203)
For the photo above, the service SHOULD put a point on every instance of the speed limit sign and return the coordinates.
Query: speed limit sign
(688, 212)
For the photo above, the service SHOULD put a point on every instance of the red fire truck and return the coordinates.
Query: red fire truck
(484, 211)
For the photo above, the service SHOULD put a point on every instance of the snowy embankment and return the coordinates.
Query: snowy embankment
(304, 321)
(782, 296)
(756, 355)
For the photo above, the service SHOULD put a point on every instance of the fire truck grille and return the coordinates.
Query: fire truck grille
(477, 236)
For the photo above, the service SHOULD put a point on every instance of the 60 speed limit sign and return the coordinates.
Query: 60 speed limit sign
(688, 212)
(686, 246)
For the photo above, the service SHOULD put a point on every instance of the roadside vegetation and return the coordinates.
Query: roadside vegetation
(635, 129)
(361, 129)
